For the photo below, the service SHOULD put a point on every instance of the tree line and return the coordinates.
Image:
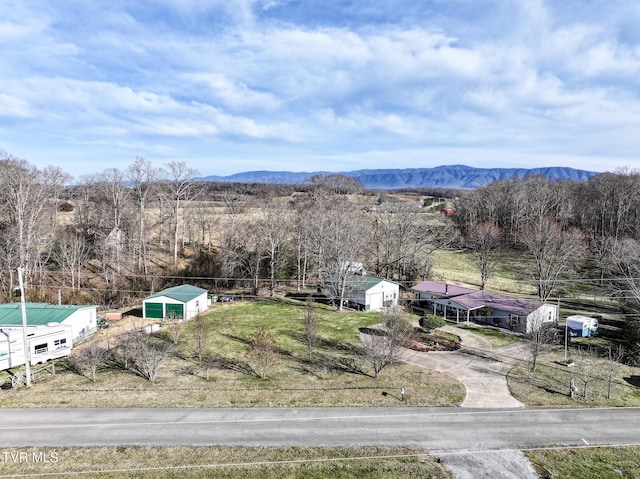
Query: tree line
(114, 235)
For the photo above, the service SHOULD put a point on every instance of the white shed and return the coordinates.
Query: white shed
(179, 302)
(370, 293)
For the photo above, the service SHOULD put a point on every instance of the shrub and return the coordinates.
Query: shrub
(431, 322)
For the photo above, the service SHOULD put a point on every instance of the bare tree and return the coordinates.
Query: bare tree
(403, 238)
(263, 351)
(175, 329)
(555, 252)
(540, 339)
(91, 357)
(111, 185)
(587, 367)
(181, 184)
(72, 254)
(310, 322)
(201, 333)
(336, 183)
(340, 242)
(28, 208)
(614, 364)
(143, 177)
(486, 243)
(148, 356)
(273, 227)
(383, 347)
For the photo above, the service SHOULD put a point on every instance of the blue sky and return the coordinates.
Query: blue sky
(238, 85)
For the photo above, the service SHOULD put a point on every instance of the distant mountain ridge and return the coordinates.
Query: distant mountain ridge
(447, 176)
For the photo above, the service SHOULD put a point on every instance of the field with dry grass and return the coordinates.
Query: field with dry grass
(227, 462)
(335, 376)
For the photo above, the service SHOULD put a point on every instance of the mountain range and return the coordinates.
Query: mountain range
(447, 176)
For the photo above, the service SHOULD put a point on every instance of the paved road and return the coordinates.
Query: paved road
(437, 429)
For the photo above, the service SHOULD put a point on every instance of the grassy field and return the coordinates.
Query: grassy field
(550, 383)
(587, 463)
(229, 463)
(512, 275)
(335, 376)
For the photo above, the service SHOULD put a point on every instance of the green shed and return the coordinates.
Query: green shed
(179, 302)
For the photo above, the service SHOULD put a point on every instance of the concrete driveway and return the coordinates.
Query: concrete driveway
(478, 366)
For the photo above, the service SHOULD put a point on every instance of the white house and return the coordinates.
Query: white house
(369, 293)
(81, 319)
(457, 303)
(179, 302)
(44, 343)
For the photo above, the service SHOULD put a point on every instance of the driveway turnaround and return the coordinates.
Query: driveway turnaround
(481, 369)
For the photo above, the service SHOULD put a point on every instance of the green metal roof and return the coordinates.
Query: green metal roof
(183, 293)
(364, 282)
(38, 314)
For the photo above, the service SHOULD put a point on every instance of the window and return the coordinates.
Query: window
(60, 343)
(41, 348)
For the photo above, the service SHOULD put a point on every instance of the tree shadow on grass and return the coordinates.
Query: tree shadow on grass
(322, 343)
(633, 380)
(232, 364)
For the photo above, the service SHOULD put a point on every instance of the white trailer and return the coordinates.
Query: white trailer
(581, 326)
(44, 342)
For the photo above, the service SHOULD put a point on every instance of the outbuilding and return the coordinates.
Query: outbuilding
(179, 302)
(369, 293)
(81, 319)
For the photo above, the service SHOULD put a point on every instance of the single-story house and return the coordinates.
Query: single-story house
(44, 342)
(458, 303)
(179, 302)
(369, 293)
(81, 319)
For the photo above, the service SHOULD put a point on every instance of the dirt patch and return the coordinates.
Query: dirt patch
(423, 341)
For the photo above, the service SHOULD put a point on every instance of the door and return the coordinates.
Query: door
(153, 310)
(175, 311)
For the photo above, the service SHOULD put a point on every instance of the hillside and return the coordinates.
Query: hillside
(449, 176)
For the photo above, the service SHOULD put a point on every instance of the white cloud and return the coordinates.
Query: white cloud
(196, 76)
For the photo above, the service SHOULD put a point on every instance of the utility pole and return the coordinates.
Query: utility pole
(27, 352)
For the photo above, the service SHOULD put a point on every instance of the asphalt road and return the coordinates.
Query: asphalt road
(436, 429)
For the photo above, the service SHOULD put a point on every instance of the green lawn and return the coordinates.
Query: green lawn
(336, 376)
(498, 339)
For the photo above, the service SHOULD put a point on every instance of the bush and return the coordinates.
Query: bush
(431, 322)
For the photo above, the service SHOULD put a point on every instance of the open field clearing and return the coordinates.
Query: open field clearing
(334, 377)
(229, 462)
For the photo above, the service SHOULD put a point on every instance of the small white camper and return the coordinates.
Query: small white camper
(581, 326)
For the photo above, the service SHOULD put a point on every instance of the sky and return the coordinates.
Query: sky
(228, 86)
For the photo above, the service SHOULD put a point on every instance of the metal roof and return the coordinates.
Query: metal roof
(441, 289)
(363, 282)
(38, 314)
(479, 299)
(471, 299)
(184, 293)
